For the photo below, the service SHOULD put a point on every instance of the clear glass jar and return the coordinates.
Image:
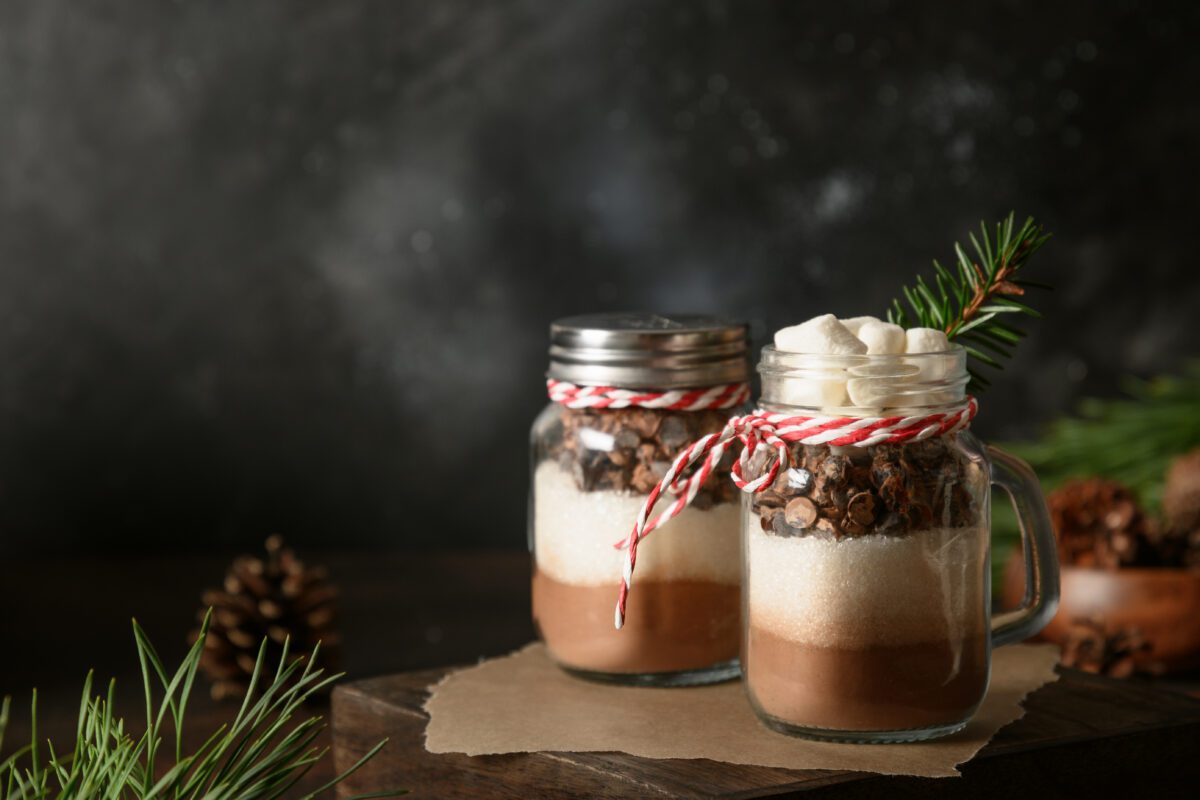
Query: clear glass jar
(867, 568)
(591, 471)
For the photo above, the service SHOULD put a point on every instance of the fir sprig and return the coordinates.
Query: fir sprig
(969, 301)
(1131, 439)
(261, 755)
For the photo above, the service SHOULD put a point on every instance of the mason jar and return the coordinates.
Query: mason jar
(629, 391)
(867, 600)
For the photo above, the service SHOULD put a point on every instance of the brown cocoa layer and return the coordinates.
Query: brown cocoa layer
(871, 689)
(673, 626)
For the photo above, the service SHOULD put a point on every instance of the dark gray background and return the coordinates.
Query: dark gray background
(279, 266)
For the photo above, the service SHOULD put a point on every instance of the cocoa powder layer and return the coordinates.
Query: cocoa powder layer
(673, 626)
(872, 689)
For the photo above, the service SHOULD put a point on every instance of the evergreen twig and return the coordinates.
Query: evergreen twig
(261, 755)
(1130, 439)
(969, 301)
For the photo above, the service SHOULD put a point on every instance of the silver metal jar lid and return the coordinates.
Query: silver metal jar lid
(648, 351)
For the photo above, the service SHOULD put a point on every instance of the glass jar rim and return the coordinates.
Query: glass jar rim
(864, 385)
(784, 358)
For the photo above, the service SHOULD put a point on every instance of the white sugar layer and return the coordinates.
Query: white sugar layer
(868, 591)
(574, 532)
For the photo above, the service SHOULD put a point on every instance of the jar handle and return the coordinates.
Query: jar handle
(1019, 482)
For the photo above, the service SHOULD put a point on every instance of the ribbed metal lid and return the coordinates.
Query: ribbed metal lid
(648, 351)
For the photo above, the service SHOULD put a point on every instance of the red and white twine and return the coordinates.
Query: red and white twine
(774, 431)
(725, 395)
(757, 429)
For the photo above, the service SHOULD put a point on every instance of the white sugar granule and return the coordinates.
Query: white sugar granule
(574, 532)
(870, 590)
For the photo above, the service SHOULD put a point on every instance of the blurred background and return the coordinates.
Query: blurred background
(288, 267)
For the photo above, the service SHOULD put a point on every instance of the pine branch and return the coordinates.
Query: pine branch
(262, 754)
(1130, 439)
(969, 301)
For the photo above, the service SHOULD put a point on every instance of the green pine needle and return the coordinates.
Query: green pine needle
(261, 755)
(1130, 439)
(970, 301)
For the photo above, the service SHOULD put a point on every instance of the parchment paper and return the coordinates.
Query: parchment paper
(524, 703)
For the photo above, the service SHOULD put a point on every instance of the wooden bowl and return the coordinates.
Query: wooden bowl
(1163, 603)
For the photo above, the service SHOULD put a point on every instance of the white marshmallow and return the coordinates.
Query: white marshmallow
(822, 335)
(925, 340)
(854, 324)
(882, 338)
(898, 370)
(815, 390)
(869, 392)
(884, 384)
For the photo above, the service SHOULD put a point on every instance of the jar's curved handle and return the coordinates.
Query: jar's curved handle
(1019, 482)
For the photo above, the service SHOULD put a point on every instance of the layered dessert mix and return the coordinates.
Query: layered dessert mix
(587, 492)
(867, 590)
(867, 570)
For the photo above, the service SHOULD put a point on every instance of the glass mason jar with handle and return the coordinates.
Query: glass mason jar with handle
(628, 392)
(867, 597)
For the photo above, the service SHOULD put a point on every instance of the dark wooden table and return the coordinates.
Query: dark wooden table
(1083, 736)
(399, 612)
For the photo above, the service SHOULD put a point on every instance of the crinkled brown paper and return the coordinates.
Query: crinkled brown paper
(524, 703)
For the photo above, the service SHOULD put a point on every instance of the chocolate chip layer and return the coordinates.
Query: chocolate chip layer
(630, 449)
(886, 489)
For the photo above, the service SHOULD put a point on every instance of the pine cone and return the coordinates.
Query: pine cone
(1099, 524)
(1090, 646)
(1181, 494)
(271, 599)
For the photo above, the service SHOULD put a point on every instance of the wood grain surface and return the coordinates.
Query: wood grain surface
(1081, 734)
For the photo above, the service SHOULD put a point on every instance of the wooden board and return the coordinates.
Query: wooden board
(1081, 734)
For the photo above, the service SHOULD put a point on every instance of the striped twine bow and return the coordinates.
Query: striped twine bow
(725, 395)
(773, 431)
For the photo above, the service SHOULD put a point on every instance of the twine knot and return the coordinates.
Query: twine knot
(774, 431)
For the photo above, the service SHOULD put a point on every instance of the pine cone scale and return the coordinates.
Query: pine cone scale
(277, 599)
